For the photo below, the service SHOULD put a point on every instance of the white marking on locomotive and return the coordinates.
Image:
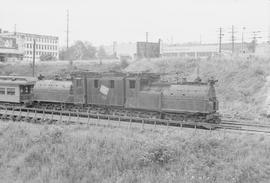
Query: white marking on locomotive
(104, 90)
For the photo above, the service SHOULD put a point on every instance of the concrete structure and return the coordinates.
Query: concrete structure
(122, 49)
(45, 45)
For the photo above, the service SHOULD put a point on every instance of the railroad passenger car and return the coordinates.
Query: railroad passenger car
(16, 89)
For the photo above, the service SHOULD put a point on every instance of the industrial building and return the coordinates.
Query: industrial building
(45, 45)
(202, 50)
(189, 50)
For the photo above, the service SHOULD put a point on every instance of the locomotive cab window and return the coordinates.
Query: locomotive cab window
(96, 83)
(2, 91)
(132, 84)
(78, 82)
(111, 83)
(10, 91)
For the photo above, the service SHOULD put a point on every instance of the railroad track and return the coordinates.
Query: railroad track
(247, 126)
(37, 115)
(41, 116)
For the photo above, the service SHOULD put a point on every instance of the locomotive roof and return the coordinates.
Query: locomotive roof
(17, 80)
(113, 74)
(97, 74)
(53, 85)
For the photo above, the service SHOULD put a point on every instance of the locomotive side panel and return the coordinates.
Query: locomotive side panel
(106, 91)
(176, 104)
(188, 98)
(144, 100)
(53, 91)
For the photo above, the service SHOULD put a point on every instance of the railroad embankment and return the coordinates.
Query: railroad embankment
(50, 153)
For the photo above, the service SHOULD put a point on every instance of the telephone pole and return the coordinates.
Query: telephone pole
(67, 27)
(254, 38)
(15, 29)
(146, 45)
(233, 39)
(220, 39)
(242, 45)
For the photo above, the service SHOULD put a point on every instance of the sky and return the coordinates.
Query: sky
(103, 21)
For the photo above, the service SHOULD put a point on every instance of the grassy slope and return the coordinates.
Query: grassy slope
(33, 153)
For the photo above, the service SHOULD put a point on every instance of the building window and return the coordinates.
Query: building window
(2, 91)
(132, 84)
(111, 83)
(96, 83)
(10, 91)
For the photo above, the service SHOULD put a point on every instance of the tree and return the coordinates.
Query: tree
(78, 51)
(101, 54)
(46, 57)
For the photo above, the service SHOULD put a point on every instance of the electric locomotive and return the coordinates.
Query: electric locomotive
(138, 95)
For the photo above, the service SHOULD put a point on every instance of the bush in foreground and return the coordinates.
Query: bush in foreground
(32, 153)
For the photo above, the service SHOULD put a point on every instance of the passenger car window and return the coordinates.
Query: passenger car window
(2, 91)
(10, 91)
(132, 83)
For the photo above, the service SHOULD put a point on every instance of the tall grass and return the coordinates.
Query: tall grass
(32, 153)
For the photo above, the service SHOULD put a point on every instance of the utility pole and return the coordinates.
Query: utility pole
(233, 38)
(254, 38)
(15, 29)
(220, 39)
(67, 27)
(146, 45)
(34, 57)
(242, 45)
